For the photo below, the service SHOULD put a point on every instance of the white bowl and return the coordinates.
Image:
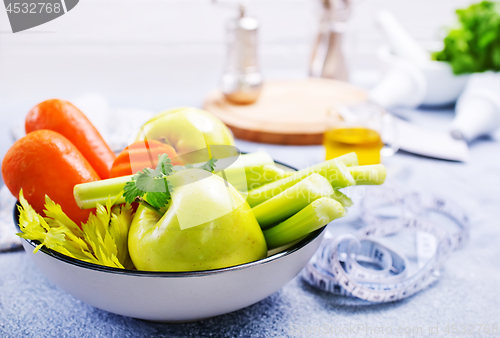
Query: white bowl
(442, 86)
(174, 296)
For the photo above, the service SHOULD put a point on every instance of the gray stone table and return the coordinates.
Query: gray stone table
(466, 294)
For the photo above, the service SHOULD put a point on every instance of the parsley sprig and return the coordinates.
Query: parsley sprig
(151, 187)
(210, 165)
(474, 45)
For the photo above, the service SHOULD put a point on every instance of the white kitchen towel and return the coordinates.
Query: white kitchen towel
(8, 238)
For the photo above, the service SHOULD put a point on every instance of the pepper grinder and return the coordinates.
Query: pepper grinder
(327, 58)
(242, 81)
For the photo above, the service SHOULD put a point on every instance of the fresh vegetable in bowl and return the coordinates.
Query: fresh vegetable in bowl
(208, 226)
(188, 130)
(141, 155)
(185, 228)
(224, 211)
(185, 221)
(66, 119)
(249, 170)
(101, 240)
(474, 46)
(174, 296)
(61, 149)
(46, 163)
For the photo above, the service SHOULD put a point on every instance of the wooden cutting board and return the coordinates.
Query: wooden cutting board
(287, 111)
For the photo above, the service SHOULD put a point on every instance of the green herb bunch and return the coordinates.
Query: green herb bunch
(151, 187)
(474, 46)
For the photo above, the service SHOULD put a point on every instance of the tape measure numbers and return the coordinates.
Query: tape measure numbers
(357, 265)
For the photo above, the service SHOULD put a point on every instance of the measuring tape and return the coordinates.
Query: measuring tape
(340, 264)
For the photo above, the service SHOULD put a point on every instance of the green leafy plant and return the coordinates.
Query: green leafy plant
(151, 188)
(151, 182)
(474, 46)
(101, 240)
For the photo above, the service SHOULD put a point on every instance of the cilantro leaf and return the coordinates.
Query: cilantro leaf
(158, 199)
(149, 181)
(210, 165)
(152, 183)
(130, 192)
(164, 165)
(152, 186)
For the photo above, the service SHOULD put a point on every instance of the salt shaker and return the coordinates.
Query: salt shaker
(327, 58)
(242, 80)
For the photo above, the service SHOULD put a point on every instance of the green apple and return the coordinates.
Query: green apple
(187, 130)
(207, 226)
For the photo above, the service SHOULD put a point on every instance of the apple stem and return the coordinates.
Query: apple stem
(145, 203)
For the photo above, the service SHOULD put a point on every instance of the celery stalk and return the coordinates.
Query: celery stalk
(292, 200)
(314, 216)
(333, 170)
(350, 159)
(258, 176)
(250, 171)
(87, 195)
(343, 199)
(368, 174)
(257, 159)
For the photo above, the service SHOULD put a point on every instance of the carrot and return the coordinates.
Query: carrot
(140, 155)
(64, 118)
(46, 163)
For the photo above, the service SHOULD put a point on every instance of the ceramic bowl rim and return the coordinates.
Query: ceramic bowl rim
(172, 274)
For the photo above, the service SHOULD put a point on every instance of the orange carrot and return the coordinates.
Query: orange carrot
(46, 163)
(64, 118)
(140, 155)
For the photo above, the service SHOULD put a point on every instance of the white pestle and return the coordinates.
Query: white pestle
(404, 85)
(413, 78)
(478, 108)
(399, 40)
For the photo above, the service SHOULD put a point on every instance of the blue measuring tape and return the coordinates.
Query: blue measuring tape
(358, 265)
